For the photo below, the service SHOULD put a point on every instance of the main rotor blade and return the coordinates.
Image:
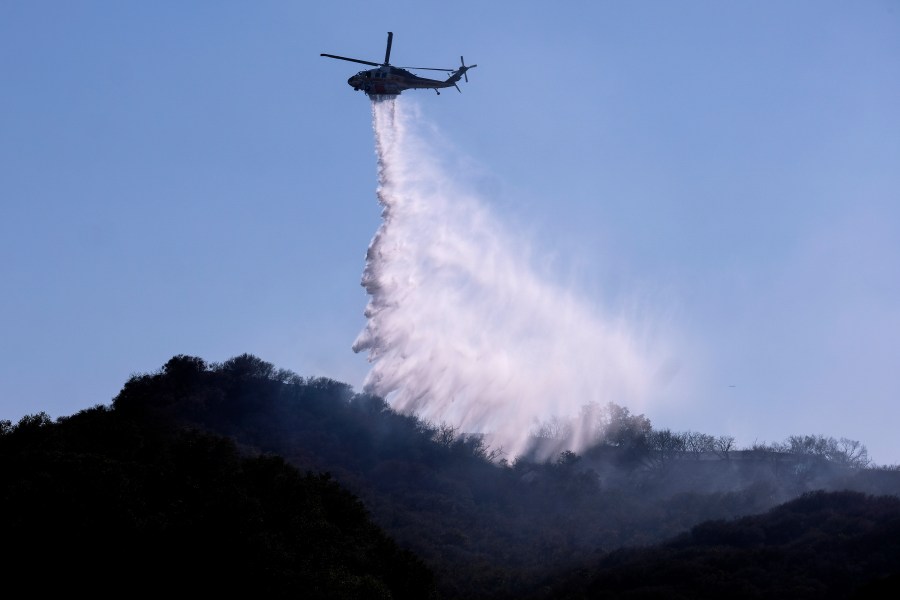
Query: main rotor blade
(387, 53)
(356, 60)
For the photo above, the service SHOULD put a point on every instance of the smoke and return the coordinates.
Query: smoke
(462, 329)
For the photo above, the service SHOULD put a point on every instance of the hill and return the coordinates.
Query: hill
(484, 526)
(821, 545)
(106, 504)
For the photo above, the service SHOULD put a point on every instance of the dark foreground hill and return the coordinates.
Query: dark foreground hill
(821, 545)
(194, 474)
(109, 505)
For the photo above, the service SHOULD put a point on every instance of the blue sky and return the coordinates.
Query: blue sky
(193, 178)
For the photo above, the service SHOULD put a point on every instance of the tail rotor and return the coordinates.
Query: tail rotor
(464, 68)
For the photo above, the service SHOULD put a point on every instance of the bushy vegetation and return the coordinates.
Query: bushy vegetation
(111, 506)
(820, 545)
(205, 460)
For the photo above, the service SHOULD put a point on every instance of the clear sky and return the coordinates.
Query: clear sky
(193, 178)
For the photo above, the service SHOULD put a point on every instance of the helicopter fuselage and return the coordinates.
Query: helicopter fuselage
(390, 81)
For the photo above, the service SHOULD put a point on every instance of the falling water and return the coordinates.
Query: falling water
(461, 328)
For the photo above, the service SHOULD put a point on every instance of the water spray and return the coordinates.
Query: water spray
(461, 329)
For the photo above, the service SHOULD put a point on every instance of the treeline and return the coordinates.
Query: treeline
(610, 426)
(485, 526)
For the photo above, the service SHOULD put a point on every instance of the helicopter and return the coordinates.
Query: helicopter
(388, 80)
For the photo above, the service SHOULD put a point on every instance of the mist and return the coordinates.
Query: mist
(463, 328)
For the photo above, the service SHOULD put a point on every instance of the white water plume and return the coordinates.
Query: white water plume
(461, 329)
